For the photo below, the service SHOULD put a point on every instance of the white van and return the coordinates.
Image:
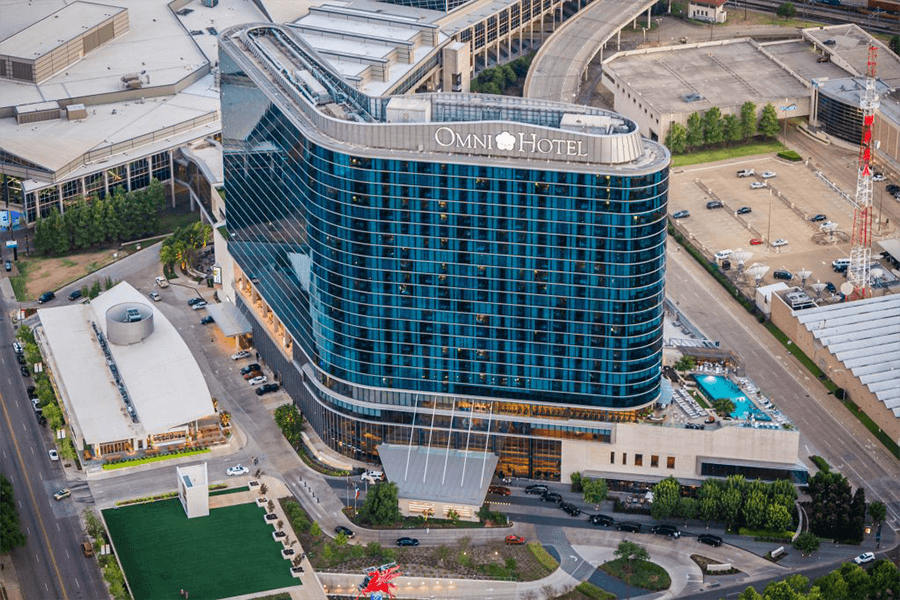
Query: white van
(162, 282)
(840, 265)
(372, 476)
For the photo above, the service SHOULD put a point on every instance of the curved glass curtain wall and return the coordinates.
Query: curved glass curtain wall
(454, 279)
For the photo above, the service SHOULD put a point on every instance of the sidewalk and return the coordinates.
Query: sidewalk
(9, 583)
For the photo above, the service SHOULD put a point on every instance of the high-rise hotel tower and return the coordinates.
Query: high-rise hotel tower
(446, 269)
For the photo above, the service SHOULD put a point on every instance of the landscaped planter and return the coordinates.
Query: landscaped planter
(253, 483)
(271, 518)
(279, 535)
(296, 572)
(287, 552)
(262, 501)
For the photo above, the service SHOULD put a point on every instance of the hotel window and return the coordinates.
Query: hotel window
(639, 460)
(624, 458)
(654, 460)
(670, 462)
(612, 458)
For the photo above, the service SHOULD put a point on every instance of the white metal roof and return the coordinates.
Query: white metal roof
(438, 474)
(865, 336)
(56, 29)
(161, 375)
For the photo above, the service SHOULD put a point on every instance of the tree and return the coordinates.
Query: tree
(93, 525)
(806, 542)
(595, 490)
(630, 552)
(884, 576)
(750, 594)
(778, 518)
(686, 508)
(729, 505)
(676, 139)
(11, 535)
(694, 131)
(713, 126)
(894, 44)
(95, 289)
(685, 363)
(748, 120)
(290, 421)
(786, 10)
(733, 130)
(723, 406)
(665, 498)
(878, 511)
(576, 481)
(381, 506)
(832, 585)
(768, 121)
(708, 509)
(54, 416)
(755, 510)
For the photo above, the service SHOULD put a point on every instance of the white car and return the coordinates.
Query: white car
(372, 476)
(779, 242)
(864, 558)
(54, 455)
(258, 380)
(240, 355)
(768, 174)
(155, 297)
(723, 254)
(237, 470)
(878, 177)
(199, 305)
(757, 185)
(162, 282)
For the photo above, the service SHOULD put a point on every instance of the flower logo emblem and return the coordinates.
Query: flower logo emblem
(505, 141)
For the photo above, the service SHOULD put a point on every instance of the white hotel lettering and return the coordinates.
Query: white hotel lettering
(525, 143)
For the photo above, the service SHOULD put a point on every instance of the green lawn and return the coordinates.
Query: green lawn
(644, 574)
(229, 553)
(151, 459)
(705, 156)
(228, 491)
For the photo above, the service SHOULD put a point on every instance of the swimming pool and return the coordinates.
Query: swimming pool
(715, 387)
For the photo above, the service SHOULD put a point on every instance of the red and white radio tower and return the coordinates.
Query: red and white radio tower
(861, 240)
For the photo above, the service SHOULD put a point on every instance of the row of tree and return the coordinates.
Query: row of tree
(850, 582)
(43, 389)
(11, 534)
(737, 502)
(496, 80)
(835, 511)
(183, 245)
(713, 129)
(90, 222)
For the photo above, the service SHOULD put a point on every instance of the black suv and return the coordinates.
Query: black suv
(537, 488)
(715, 204)
(249, 368)
(708, 538)
(570, 508)
(629, 526)
(551, 497)
(781, 274)
(75, 295)
(267, 388)
(669, 530)
(46, 297)
(604, 520)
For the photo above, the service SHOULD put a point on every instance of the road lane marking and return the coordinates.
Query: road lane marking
(40, 519)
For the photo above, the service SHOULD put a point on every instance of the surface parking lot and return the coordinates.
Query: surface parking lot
(781, 210)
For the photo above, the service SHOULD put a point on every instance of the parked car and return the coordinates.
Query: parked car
(746, 173)
(87, 549)
(829, 42)
(714, 204)
(267, 389)
(831, 287)
(840, 265)
(709, 539)
(240, 354)
(193, 301)
(236, 471)
(372, 476)
(537, 488)
(769, 174)
(20, 358)
(865, 557)
(46, 297)
(892, 188)
(17, 348)
(515, 540)
(258, 380)
(823, 59)
(782, 274)
(499, 490)
(756, 242)
(551, 497)
(407, 541)
(8, 266)
(743, 210)
(877, 176)
(757, 185)
(629, 526)
(207, 320)
(30, 390)
(345, 530)
(603, 520)
(54, 455)
(75, 295)
(155, 297)
(681, 214)
(570, 508)
(668, 530)
(817, 218)
(252, 374)
(162, 282)
(62, 494)
(24, 371)
(251, 367)
(779, 243)
(199, 305)
(723, 254)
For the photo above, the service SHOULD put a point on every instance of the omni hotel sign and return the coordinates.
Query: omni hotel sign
(526, 143)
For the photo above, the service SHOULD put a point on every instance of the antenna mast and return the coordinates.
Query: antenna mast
(861, 240)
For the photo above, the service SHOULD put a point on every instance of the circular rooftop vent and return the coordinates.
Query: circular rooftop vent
(128, 323)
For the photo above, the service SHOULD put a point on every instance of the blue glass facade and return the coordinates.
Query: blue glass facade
(442, 275)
